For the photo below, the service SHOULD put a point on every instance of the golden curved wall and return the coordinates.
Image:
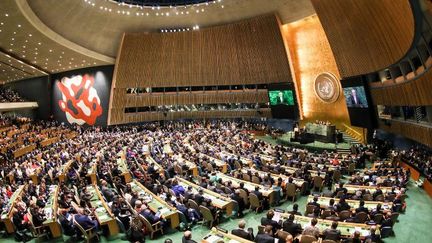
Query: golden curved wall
(310, 55)
(366, 35)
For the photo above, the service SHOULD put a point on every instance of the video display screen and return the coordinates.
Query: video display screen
(281, 97)
(355, 97)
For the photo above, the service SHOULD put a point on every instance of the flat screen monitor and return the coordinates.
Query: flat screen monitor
(355, 97)
(282, 100)
(358, 102)
(281, 97)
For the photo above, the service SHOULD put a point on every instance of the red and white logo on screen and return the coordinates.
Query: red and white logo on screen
(80, 100)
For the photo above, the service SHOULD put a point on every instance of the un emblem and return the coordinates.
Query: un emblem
(327, 87)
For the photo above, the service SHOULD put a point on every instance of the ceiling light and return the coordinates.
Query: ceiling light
(19, 26)
(30, 35)
(7, 15)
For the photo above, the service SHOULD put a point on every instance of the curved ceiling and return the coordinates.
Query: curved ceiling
(164, 2)
(41, 37)
(99, 24)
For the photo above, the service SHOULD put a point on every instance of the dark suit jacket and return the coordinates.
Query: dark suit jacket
(265, 221)
(85, 221)
(292, 228)
(242, 233)
(264, 238)
(259, 194)
(187, 241)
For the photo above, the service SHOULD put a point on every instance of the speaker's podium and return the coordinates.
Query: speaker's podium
(316, 132)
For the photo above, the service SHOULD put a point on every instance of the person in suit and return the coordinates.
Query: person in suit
(354, 99)
(268, 220)
(295, 210)
(280, 100)
(187, 237)
(340, 188)
(373, 237)
(199, 198)
(314, 202)
(332, 233)
(291, 227)
(266, 236)
(362, 208)
(261, 197)
(312, 229)
(241, 232)
(342, 205)
(86, 222)
(240, 202)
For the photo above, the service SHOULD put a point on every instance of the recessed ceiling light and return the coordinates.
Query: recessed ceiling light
(30, 35)
(19, 26)
(7, 15)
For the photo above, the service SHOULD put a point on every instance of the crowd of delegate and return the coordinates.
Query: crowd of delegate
(202, 171)
(9, 95)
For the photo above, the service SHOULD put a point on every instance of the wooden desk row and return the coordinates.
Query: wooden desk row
(298, 182)
(50, 210)
(325, 201)
(6, 216)
(217, 200)
(266, 192)
(22, 151)
(155, 203)
(353, 188)
(103, 212)
(217, 236)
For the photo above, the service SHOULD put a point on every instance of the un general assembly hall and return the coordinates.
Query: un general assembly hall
(216, 121)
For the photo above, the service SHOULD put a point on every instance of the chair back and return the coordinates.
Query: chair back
(390, 197)
(254, 201)
(386, 232)
(309, 209)
(361, 217)
(377, 218)
(291, 189)
(244, 195)
(282, 235)
(368, 197)
(326, 213)
(120, 225)
(380, 198)
(148, 225)
(83, 231)
(318, 181)
(351, 168)
(193, 205)
(336, 175)
(328, 241)
(209, 167)
(171, 191)
(339, 194)
(307, 239)
(246, 177)
(255, 180)
(207, 215)
(261, 229)
(394, 217)
(344, 215)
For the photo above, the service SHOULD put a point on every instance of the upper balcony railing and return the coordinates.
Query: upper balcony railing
(418, 59)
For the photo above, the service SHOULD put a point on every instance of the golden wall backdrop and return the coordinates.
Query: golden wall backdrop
(310, 55)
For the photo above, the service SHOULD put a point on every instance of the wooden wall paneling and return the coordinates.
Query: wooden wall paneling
(247, 52)
(366, 35)
(416, 92)
(412, 131)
